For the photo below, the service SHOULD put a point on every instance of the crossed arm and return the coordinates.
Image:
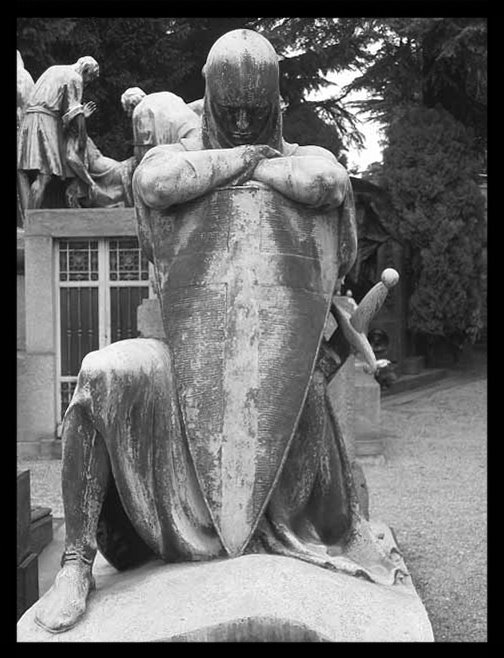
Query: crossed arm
(169, 175)
(313, 176)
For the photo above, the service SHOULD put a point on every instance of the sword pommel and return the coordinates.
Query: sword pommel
(373, 301)
(355, 325)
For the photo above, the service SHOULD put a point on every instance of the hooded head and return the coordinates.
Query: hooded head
(88, 68)
(242, 97)
(131, 98)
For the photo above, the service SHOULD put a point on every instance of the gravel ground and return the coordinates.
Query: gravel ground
(45, 484)
(431, 489)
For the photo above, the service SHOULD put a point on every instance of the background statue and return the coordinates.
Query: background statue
(100, 181)
(159, 118)
(111, 180)
(221, 440)
(197, 106)
(25, 86)
(58, 92)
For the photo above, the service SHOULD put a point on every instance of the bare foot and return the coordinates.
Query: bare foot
(65, 603)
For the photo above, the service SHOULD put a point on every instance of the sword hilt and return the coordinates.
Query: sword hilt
(373, 301)
(355, 325)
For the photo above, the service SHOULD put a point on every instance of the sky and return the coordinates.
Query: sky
(372, 151)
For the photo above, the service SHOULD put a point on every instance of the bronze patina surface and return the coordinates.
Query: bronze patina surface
(221, 439)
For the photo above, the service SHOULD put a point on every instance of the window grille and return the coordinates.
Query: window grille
(101, 283)
(126, 262)
(78, 260)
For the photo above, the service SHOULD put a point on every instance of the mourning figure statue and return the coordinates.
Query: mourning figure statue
(220, 440)
(56, 97)
(100, 181)
(158, 118)
(25, 86)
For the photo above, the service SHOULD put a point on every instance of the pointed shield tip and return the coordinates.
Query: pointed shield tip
(235, 549)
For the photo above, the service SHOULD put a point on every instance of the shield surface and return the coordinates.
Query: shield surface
(246, 278)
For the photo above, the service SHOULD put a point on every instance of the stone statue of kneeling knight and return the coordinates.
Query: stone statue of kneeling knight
(220, 440)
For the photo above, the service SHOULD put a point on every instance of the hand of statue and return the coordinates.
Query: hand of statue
(93, 191)
(89, 109)
(254, 153)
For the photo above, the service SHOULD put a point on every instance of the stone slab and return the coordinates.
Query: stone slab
(36, 414)
(80, 223)
(366, 399)
(404, 383)
(23, 515)
(27, 583)
(250, 598)
(149, 320)
(20, 312)
(41, 529)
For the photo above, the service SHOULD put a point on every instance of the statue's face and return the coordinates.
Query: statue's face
(242, 124)
(89, 74)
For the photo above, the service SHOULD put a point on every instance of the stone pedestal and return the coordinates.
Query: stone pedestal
(41, 529)
(341, 395)
(149, 322)
(23, 515)
(27, 566)
(367, 394)
(255, 598)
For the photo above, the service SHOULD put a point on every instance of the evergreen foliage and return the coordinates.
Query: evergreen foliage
(430, 172)
(427, 61)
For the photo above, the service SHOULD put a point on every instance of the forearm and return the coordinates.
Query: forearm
(312, 180)
(79, 169)
(82, 132)
(163, 180)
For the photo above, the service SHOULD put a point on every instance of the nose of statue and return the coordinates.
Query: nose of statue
(243, 121)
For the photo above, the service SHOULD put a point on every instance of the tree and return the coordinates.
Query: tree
(429, 171)
(429, 62)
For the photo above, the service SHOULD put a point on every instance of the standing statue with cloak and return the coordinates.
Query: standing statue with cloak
(220, 440)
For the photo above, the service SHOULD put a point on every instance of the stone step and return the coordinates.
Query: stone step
(27, 584)
(410, 382)
(41, 529)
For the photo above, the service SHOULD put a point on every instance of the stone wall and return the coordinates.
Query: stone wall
(36, 313)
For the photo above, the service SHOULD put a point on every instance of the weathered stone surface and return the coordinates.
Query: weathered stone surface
(367, 400)
(149, 321)
(23, 515)
(35, 401)
(249, 598)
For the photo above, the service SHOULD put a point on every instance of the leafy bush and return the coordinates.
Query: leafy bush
(430, 171)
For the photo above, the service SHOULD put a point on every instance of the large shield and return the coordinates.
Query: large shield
(246, 278)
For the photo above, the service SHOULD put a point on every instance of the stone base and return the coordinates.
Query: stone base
(41, 529)
(27, 584)
(255, 598)
(412, 365)
(43, 448)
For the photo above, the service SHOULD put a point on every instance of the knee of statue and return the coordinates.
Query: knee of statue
(93, 366)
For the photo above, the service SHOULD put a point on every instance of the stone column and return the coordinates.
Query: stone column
(342, 394)
(36, 411)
